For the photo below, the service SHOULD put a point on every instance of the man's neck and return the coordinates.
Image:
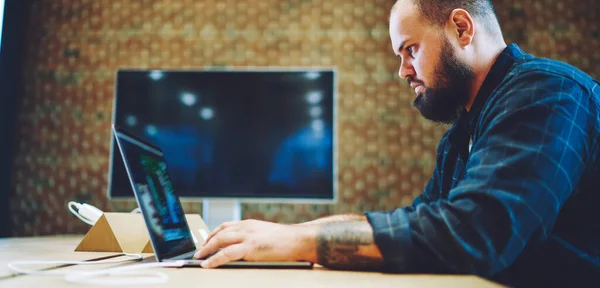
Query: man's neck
(486, 59)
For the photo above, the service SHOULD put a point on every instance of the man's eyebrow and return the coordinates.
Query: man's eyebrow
(402, 46)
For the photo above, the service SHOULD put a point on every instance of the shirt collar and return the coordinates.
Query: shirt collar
(467, 120)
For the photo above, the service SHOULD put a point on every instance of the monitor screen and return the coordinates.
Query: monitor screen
(233, 134)
(156, 197)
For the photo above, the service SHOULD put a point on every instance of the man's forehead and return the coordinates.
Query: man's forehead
(405, 22)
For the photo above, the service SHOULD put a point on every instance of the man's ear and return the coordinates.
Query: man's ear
(462, 26)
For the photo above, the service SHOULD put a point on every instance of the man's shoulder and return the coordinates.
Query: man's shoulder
(532, 68)
(541, 82)
(533, 79)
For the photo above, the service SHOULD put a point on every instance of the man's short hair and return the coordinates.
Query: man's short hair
(437, 12)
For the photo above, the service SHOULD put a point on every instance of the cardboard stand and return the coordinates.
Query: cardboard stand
(127, 233)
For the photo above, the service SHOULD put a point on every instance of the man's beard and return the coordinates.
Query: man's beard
(446, 100)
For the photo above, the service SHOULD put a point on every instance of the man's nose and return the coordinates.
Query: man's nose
(406, 70)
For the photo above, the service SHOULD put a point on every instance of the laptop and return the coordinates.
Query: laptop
(169, 232)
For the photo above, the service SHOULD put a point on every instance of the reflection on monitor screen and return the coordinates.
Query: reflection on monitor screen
(1, 21)
(157, 199)
(246, 134)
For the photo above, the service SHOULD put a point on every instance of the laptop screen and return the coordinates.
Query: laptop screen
(156, 197)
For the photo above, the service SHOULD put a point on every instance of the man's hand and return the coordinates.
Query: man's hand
(254, 240)
(347, 245)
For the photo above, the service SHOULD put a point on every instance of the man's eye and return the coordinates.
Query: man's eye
(410, 49)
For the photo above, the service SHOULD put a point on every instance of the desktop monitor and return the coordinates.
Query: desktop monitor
(250, 135)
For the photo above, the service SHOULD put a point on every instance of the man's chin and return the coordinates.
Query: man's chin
(437, 114)
(418, 99)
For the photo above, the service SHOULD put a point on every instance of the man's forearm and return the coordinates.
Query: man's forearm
(344, 245)
(336, 218)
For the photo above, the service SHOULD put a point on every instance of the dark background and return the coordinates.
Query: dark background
(11, 54)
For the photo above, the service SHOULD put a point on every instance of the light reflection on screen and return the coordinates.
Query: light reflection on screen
(1, 21)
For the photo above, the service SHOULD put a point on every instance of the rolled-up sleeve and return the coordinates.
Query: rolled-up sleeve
(530, 154)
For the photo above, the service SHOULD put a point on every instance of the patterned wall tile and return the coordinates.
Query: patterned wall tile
(74, 48)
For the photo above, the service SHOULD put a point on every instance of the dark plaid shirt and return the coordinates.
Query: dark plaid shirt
(521, 206)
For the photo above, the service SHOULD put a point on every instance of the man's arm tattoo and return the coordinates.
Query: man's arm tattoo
(339, 245)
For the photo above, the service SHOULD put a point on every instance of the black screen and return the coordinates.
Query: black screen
(250, 134)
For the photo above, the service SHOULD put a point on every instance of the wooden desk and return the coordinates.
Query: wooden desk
(61, 248)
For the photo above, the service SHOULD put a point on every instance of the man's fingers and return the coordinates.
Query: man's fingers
(221, 227)
(228, 254)
(221, 240)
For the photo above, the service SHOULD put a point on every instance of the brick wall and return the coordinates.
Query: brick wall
(386, 149)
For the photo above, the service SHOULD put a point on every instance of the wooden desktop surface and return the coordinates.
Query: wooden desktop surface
(61, 248)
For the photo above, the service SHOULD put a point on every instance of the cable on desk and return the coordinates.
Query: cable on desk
(17, 268)
(92, 277)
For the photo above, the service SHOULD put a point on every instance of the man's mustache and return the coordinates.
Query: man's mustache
(411, 80)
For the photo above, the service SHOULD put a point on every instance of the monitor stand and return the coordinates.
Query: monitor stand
(217, 211)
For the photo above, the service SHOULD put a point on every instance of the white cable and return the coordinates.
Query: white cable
(127, 272)
(14, 266)
(77, 205)
(87, 213)
(90, 277)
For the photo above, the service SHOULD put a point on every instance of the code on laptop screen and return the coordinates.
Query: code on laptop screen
(162, 210)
